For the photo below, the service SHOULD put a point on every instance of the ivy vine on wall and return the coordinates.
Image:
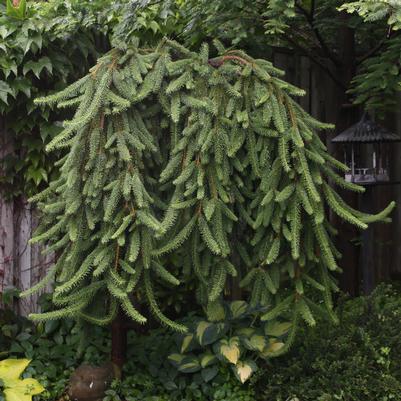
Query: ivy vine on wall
(51, 46)
(47, 46)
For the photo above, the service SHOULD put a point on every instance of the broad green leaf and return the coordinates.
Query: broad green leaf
(16, 348)
(23, 42)
(51, 326)
(23, 390)
(209, 373)
(5, 90)
(3, 31)
(230, 349)
(394, 70)
(37, 40)
(207, 333)
(176, 359)
(170, 385)
(23, 336)
(36, 175)
(277, 329)
(208, 359)
(306, 5)
(244, 370)
(276, 346)
(255, 343)
(272, 348)
(11, 370)
(37, 66)
(245, 332)
(49, 131)
(154, 26)
(21, 84)
(189, 364)
(238, 308)
(7, 66)
(186, 342)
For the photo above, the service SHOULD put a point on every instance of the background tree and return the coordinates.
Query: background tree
(377, 84)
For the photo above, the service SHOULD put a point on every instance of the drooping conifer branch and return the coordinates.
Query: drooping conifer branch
(171, 152)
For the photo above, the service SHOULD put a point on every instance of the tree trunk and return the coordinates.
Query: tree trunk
(118, 344)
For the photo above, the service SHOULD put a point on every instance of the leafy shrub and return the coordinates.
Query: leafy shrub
(233, 335)
(149, 373)
(357, 360)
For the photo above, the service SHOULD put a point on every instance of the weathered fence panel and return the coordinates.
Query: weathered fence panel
(21, 264)
(6, 221)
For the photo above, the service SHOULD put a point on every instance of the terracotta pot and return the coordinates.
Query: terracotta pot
(88, 383)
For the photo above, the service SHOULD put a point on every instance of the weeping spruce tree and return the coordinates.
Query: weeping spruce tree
(171, 151)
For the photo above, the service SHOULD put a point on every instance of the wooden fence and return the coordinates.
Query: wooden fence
(22, 264)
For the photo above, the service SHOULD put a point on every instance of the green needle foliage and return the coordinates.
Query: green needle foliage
(172, 151)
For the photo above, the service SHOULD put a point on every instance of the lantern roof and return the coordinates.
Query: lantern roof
(366, 130)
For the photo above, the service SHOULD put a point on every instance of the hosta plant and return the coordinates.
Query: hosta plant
(233, 335)
(13, 387)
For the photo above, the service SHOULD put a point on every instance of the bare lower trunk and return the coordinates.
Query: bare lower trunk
(118, 344)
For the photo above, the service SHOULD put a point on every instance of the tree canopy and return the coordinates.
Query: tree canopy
(205, 159)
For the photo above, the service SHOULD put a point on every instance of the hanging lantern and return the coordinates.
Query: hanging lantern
(366, 151)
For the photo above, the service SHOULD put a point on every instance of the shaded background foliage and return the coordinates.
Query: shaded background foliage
(31, 62)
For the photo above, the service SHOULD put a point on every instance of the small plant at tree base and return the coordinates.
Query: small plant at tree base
(211, 159)
(14, 388)
(233, 336)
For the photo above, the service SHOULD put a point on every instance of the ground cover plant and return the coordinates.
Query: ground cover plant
(357, 359)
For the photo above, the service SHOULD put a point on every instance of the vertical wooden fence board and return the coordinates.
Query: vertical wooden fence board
(22, 254)
(6, 244)
(6, 220)
(22, 265)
